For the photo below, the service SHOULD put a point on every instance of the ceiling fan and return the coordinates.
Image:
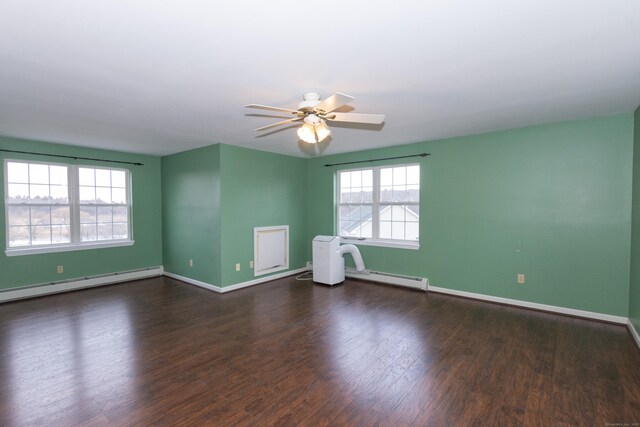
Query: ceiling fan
(315, 113)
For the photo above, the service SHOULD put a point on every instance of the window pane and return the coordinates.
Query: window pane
(354, 214)
(61, 215)
(413, 212)
(103, 178)
(19, 236)
(399, 176)
(60, 234)
(345, 179)
(399, 193)
(366, 229)
(356, 179)
(40, 215)
(59, 194)
(87, 194)
(413, 193)
(398, 213)
(118, 179)
(39, 193)
(367, 178)
(386, 194)
(58, 175)
(397, 230)
(87, 214)
(41, 235)
(88, 232)
(367, 194)
(38, 174)
(86, 176)
(119, 196)
(384, 213)
(343, 212)
(345, 196)
(367, 211)
(385, 229)
(413, 175)
(18, 215)
(120, 214)
(103, 195)
(105, 231)
(352, 230)
(18, 172)
(18, 193)
(356, 197)
(412, 231)
(105, 214)
(386, 177)
(344, 228)
(120, 231)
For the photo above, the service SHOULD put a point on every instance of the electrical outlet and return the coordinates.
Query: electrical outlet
(521, 279)
(60, 269)
(190, 263)
(251, 264)
(238, 267)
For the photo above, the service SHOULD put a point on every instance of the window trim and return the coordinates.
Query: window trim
(74, 219)
(375, 220)
(67, 247)
(383, 243)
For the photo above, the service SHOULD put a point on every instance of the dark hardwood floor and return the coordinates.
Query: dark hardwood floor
(160, 352)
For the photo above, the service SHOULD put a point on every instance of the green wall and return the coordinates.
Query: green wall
(23, 270)
(552, 202)
(214, 196)
(191, 214)
(634, 283)
(260, 189)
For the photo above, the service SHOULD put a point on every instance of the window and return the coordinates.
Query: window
(380, 205)
(53, 207)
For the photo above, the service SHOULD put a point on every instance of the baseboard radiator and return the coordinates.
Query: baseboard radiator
(64, 285)
(421, 283)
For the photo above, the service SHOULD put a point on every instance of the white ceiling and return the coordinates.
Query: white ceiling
(160, 77)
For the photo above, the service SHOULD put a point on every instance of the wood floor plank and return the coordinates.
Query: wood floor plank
(160, 352)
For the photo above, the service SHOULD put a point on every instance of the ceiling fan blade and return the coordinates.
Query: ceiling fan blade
(284, 122)
(270, 108)
(374, 119)
(333, 102)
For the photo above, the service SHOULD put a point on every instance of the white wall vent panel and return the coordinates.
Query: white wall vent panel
(270, 249)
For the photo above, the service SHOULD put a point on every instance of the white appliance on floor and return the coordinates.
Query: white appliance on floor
(328, 259)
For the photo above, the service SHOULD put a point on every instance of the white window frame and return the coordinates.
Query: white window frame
(74, 207)
(375, 204)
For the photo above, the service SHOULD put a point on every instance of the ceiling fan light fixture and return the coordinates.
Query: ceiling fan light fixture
(312, 120)
(322, 130)
(313, 134)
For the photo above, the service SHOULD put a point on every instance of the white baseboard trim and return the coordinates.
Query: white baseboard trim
(536, 306)
(223, 289)
(195, 282)
(78, 283)
(420, 283)
(634, 333)
(263, 279)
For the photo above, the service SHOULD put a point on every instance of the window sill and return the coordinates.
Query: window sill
(67, 248)
(381, 243)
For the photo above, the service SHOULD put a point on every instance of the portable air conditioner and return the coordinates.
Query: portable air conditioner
(328, 259)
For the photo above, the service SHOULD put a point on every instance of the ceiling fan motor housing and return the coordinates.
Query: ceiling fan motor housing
(311, 99)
